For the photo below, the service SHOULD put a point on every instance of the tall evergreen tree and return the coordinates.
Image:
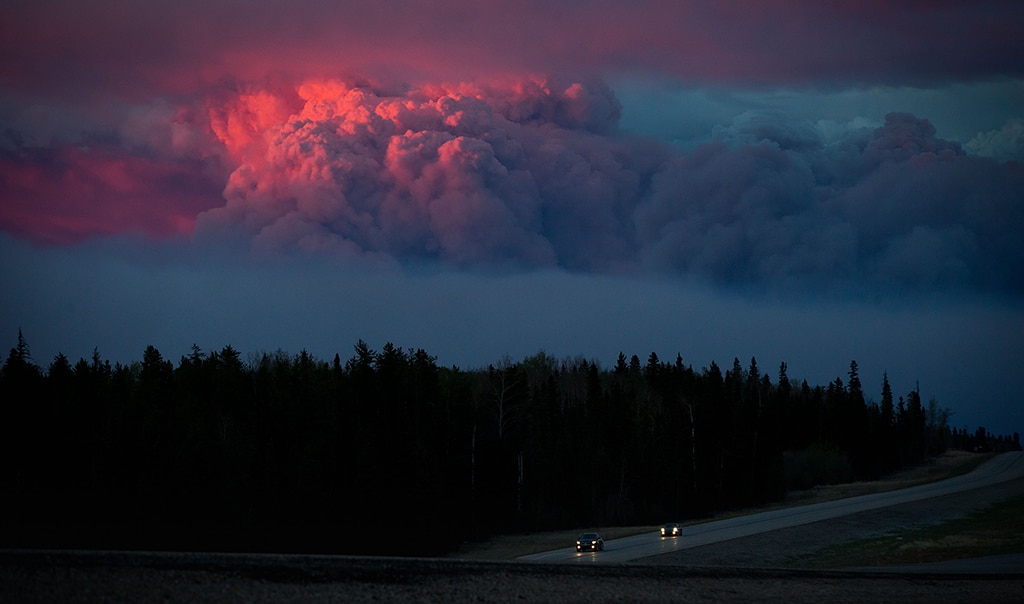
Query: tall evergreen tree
(888, 411)
(853, 388)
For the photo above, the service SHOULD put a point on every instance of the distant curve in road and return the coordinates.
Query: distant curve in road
(1002, 468)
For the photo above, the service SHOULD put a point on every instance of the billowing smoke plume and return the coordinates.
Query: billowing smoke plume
(534, 174)
(527, 174)
(893, 206)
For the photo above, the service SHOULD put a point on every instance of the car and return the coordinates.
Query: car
(590, 541)
(671, 530)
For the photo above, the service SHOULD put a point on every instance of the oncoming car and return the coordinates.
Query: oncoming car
(671, 530)
(590, 541)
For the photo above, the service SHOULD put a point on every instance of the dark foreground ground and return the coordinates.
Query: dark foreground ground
(761, 568)
(110, 577)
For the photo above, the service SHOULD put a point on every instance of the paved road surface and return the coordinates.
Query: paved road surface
(1005, 467)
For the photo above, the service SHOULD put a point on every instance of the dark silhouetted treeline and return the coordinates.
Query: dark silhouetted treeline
(388, 453)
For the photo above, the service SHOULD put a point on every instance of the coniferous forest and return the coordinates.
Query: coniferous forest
(386, 452)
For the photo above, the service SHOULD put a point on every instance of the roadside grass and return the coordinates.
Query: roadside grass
(509, 547)
(998, 529)
(948, 465)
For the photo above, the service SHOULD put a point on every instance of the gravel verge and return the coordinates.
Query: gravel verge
(77, 577)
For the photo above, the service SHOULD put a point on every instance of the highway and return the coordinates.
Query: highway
(1002, 468)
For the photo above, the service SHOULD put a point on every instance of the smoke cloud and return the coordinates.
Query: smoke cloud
(524, 175)
(320, 128)
(536, 174)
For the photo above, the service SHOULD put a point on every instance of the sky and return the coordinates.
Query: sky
(802, 182)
